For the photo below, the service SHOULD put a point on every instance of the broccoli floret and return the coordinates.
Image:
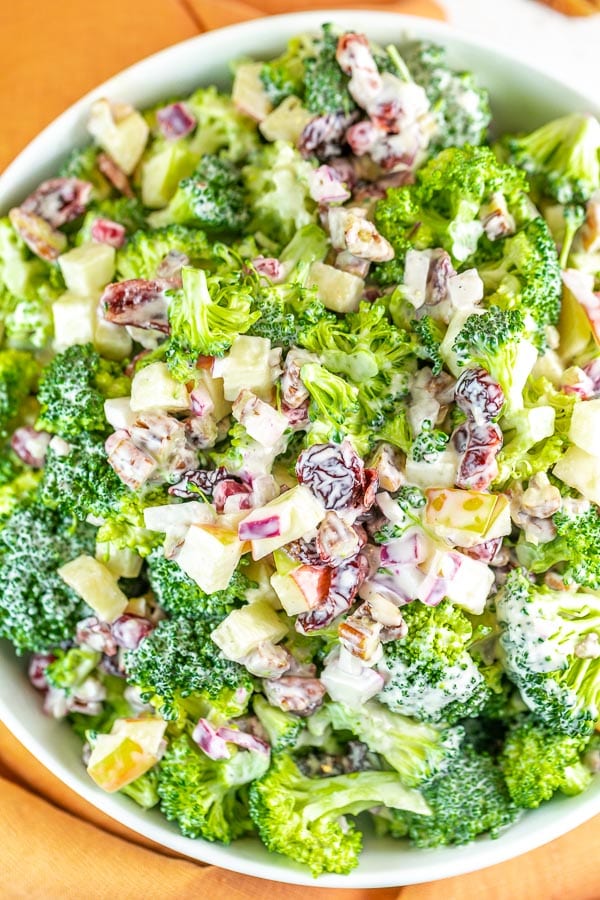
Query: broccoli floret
(284, 76)
(37, 609)
(205, 317)
(71, 667)
(325, 85)
(523, 271)
(144, 252)
(208, 798)
(376, 358)
(429, 443)
(432, 675)
(495, 341)
(304, 818)
(417, 751)
(282, 729)
(288, 309)
(83, 164)
(221, 127)
(536, 437)
(73, 388)
(18, 376)
(179, 595)
(212, 198)
(460, 107)
(574, 550)
(430, 334)
(334, 400)
(562, 157)
(28, 285)
(179, 659)
(276, 182)
(470, 798)
(442, 208)
(81, 482)
(144, 790)
(24, 484)
(125, 527)
(549, 643)
(537, 761)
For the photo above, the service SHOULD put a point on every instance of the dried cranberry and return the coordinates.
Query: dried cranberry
(230, 487)
(105, 231)
(324, 136)
(96, 635)
(343, 588)
(337, 476)
(59, 200)
(478, 395)
(199, 481)
(478, 466)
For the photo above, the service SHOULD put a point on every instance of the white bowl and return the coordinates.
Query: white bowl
(522, 98)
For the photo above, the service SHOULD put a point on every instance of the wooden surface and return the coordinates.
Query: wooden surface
(54, 844)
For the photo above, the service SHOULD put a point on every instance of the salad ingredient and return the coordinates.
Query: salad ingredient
(299, 485)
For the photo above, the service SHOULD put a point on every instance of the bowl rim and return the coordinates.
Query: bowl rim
(13, 183)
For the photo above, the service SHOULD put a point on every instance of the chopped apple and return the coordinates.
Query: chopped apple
(121, 561)
(95, 584)
(248, 92)
(118, 413)
(87, 269)
(585, 426)
(163, 171)
(303, 589)
(153, 387)
(247, 366)
(215, 390)
(579, 288)
(580, 470)
(121, 131)
(179, 515)
(111, 340)
(467, 518)
(210, 555)
(286, 122)
(262, 422)
(74, 320)
(244, 629)
(287, 518)
(471, 585)
(339, 291)
(441, 473)
(130, 750)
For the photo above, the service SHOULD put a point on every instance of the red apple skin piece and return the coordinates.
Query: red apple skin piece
(587, 298)
(313, 583)
(122, 766)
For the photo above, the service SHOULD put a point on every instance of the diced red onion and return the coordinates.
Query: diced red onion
(175, 121)
(270, 268)
(410, 549)
(96, 635)
(243, 739)
(36, 670)
(260, 528)
(326, 186)
(209, 741)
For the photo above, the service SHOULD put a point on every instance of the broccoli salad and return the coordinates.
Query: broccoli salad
(300, 470)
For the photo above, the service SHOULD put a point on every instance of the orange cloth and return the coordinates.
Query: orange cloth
(53, 843)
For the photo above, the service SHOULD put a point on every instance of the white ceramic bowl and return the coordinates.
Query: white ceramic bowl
(522, 98)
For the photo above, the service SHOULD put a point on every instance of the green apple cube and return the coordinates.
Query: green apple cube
(580, 470)
(441, 473)
(286, 122)
(89, 268)
(247, 366)
(120, 131)
(467, 518)
(153, 387)
(248, 92)
(111, 340)
(147, 731)
(210, 555)
(121, 561)
(286, 518)
(74, 320)
(585, 426)
(339, 291)
(162, 173)
(214, 390)
(96, 585)
(244, 629)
